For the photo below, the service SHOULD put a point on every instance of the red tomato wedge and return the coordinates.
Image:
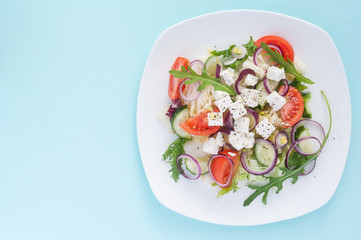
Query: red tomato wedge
(174, 83)
(221, 167)
(198, 124)
(282, 43)
(292, 111)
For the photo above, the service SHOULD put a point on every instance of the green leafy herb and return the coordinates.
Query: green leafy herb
(204, 78)
(298, 85)
(251, 47)
(288, 65)
(293, 174)
(224, 53)
(173, 151)
(298, 132)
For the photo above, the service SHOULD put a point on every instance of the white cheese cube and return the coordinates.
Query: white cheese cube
(250, 80)
(219, 94)
(219, 139)
(228, 76)
(300, 67)
(242, 124)
(276, 101)
(223, 103)
(250, 64)
(215, 119)
(210, 146)
(275, 73)
(241, 140)
(237, 109)
(250, 97)
(265, 128)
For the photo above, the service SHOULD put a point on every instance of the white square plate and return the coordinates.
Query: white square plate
(192, 39)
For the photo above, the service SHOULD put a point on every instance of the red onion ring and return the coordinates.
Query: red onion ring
(197, 66)
(270, 167)
(194, 94)
(190, 177)
(265, 84)
(230, 147)
(176, 103)
(228, 120)
(287, 86)
(306, 122)
(309, 169)
(258, 50)
(242, 74)
(255, 117)
(210, 169)
(303, 153)
(279, 137)
(218, 70)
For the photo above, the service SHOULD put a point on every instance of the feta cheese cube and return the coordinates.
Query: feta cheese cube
(250, 64)
(219, 139)
(275, 73)
(276, 101)
(265, 128)
(228, 76)
(210, 146)
(250, 80)
(250, 97)
(223, 103)
(215, 119)
(242, 124)
(237, 109)
(241, 140)
(219, 94)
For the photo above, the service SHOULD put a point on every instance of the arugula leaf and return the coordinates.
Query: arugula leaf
(170, 156)
(251, 47)
(298, 85)
(225, 53)
(293, 174)
(204, 78)
(288, 66)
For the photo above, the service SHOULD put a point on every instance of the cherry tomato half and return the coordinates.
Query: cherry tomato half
(174, 83)
(282, 43)
(292, 111)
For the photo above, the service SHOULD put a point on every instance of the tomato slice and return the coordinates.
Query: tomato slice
(198, 124)
(282, 43)
(292, 111)
(221, 167)
(173, 86)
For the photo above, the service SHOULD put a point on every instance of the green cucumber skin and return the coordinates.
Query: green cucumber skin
(176, 113)
(306, 112)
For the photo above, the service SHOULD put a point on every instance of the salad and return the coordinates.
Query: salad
(243, 114)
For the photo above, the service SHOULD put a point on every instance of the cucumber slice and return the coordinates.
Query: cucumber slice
(192, 168)
(265, 153)
(307, 110)
(307, 146)
(255, 166)
(211, 66)
(179, 116)
(262, 91)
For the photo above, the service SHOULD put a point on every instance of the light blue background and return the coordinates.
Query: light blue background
(69, 161)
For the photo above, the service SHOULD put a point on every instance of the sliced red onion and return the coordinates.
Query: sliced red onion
(210, 168)
(229, 60)
(237, 55)
(308, 169)
(269, 168)
(225, 130)
(192, 90)
(314, 128)
(301, 152)
(218, 70)
(176, 103)
(197, 66)
(184, 171)
(287, 86)
(254, 115)
(266, 87)
(228, 120)
(258, 51)
(230, 147)
(279, 137)
(242, 74)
